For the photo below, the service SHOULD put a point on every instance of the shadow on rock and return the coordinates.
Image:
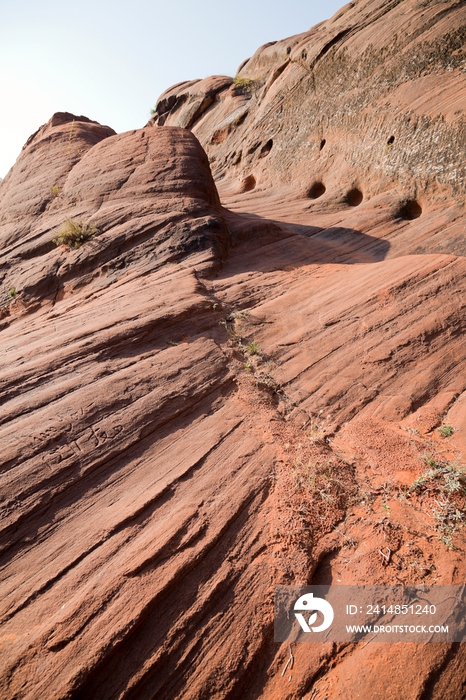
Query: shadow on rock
(267, 244)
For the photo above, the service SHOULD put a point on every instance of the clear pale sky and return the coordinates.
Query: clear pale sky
(110, 60)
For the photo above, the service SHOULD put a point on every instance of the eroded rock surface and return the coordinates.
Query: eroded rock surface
(372, 100)
(205, 400)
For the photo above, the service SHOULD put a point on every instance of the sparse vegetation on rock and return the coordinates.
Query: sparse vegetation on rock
(253, 348)
(244, 85)
(446, 430)
(75, 233)
(443, 488)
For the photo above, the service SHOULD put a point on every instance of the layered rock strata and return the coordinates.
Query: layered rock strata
(209, 398)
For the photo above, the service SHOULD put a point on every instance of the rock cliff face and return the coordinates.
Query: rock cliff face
(371, 101)
(217, 394)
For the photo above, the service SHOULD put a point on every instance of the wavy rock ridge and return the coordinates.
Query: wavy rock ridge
(215, 395)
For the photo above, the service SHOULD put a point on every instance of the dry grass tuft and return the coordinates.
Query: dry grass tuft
(75, 233)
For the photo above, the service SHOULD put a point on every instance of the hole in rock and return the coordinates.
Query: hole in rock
(239, 120)
(354, 197)
(316, 190)
(266, 148)
(391, 140)
(288, 50)
(410, 210)
(254, 147)
(248, 183)
(322, 144)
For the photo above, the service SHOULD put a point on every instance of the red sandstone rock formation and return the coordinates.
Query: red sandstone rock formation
(205, 399)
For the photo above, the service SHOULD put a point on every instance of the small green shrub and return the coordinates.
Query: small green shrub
(55, 190)
(445, 484)
(12, 293)
(446, 430)
(445, 477)
(253, 348)
(429, 460)
(244, 84)
(75, 233)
